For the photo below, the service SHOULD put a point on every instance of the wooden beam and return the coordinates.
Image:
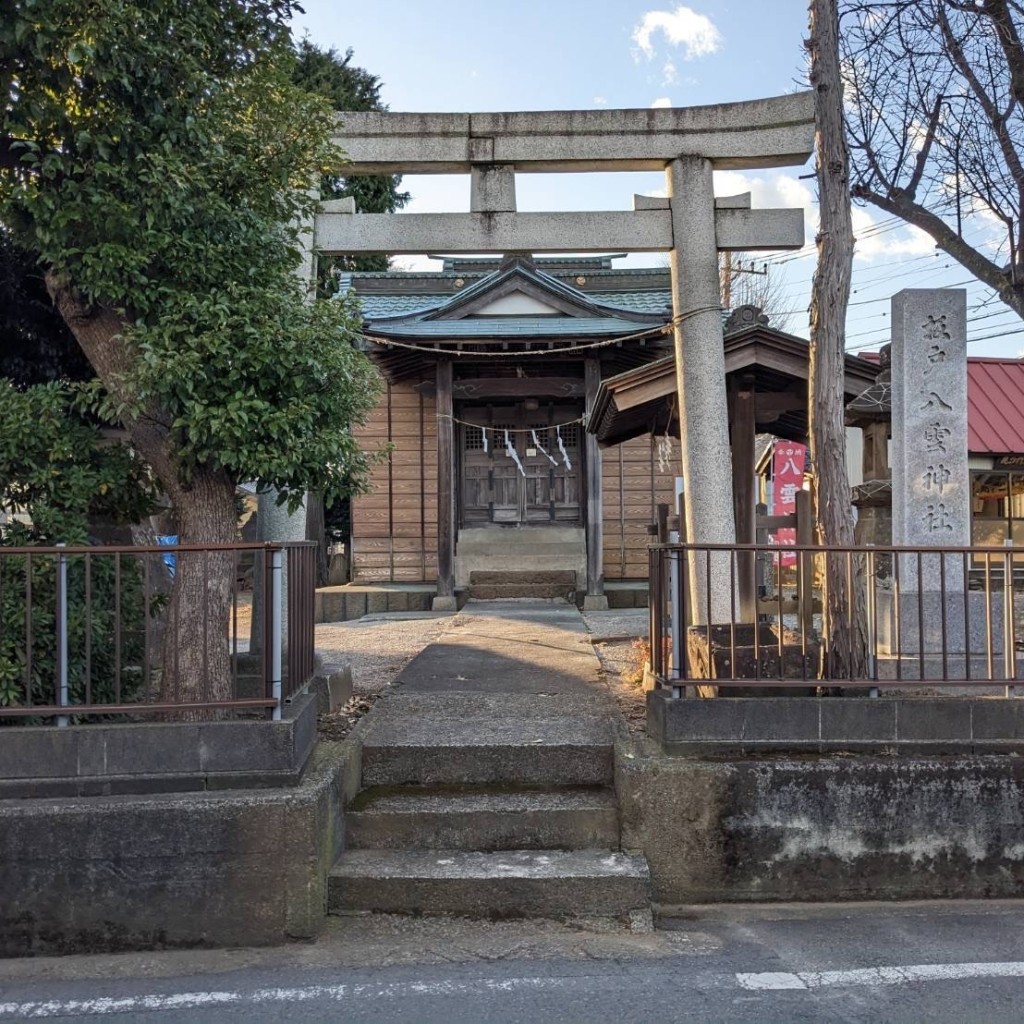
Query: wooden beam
(445, 489)
(662, 386)
(768, 405)
(595, 598)
(519, 387)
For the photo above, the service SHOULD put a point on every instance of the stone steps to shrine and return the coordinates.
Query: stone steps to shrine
(543, 584)
(483, 818)
(460, 740)
(515, 550)
(507, 883)
(487, 779)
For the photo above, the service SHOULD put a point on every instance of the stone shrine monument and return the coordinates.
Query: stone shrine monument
(931, 491)
(930, 479)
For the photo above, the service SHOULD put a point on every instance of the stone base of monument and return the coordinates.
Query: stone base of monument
(931, 623)
(982, 677)
(745, 651)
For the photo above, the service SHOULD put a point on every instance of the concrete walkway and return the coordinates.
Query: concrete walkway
(509, 647)
(519, 679)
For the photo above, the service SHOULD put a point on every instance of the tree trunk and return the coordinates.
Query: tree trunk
(196, 665)
(844, 633)
(316, 531)
(196, 662)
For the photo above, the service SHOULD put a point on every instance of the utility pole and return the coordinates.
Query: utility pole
(729, 270)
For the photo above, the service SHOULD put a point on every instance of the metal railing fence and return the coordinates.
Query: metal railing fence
(920, 617)
(169, 631)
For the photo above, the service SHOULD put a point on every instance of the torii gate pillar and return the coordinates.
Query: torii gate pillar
(700, 380)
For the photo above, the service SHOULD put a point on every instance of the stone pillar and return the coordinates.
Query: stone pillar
(700, 370)
(930, 479)
(492, 188)
(931, 494)
(595, 599)
(445, 600)
(273, 523)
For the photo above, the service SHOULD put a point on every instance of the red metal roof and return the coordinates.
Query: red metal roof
(995, 406)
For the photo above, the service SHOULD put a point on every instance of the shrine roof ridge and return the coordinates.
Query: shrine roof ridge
(629, 306)
(451, 275)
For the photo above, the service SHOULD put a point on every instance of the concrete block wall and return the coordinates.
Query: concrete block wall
(105, 758)
(104, 874)
(823, 828)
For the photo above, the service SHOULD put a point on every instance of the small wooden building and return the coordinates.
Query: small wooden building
(491, 367)
(767, 374)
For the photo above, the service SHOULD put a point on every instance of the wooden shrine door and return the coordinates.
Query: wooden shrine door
(492, 486)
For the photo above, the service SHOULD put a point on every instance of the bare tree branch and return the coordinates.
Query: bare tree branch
(935, 119)
(983, 269)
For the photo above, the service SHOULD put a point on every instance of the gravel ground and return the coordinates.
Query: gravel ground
(376, 648)
(613, 634)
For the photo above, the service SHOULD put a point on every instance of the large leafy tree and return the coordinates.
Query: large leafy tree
(59, 469)
(346, 87)
(158, 159)
(935, 116)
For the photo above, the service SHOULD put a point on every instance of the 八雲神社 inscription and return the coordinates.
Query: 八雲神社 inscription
(930, 479)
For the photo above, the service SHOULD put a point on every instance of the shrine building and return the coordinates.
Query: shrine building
(514, 351)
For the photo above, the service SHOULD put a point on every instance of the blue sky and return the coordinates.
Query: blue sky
(462, 55)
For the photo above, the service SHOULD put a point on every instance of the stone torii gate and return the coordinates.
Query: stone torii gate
(688, 143)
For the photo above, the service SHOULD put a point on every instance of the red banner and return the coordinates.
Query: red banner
(788, 460)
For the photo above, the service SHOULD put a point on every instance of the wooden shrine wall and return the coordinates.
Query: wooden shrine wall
(394, 527)
(633, 486)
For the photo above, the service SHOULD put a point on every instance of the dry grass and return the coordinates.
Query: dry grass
(638, 659)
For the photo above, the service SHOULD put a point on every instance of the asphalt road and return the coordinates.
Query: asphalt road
(961, 962)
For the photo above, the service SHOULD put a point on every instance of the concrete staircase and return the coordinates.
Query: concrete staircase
(488, 805)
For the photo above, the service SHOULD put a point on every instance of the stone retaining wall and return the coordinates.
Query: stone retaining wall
(186, 869)
(823, 827)
(97, 759)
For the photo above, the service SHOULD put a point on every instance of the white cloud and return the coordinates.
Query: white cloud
(870, 244)
(669, 75)
(662, 101)
(683, 27)
(600, 101)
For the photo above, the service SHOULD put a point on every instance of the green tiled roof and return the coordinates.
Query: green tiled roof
(511, 327)
(643, 302)
(375, 306)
